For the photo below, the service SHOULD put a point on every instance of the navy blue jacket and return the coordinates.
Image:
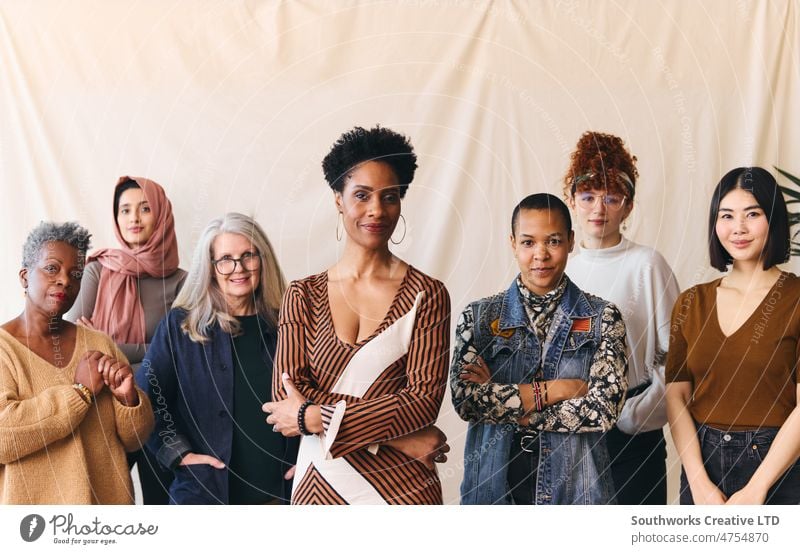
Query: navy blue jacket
(190, 385)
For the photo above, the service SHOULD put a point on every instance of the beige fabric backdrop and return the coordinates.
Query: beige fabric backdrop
(232, 105)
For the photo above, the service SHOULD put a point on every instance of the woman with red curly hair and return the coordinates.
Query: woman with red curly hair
(600, 185)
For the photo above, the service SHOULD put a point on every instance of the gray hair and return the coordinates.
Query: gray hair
(200, 295)
(47, 231)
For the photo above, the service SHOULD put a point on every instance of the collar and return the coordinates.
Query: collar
(573, 304)
(538, 301)
(605, 254)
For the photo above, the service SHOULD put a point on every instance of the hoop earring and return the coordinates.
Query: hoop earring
(339, 234)
(405, 228)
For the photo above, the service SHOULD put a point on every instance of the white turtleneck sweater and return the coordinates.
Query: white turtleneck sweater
(641, 284)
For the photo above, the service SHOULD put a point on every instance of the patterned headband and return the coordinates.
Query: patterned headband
(586, 176)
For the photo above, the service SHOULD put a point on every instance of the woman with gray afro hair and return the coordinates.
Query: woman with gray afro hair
(70, 232)
(69, 406)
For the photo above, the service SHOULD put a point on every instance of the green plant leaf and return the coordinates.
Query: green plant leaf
(792, 196)
(792, 178)
(795, 194)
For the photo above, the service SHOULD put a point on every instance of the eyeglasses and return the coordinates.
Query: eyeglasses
(226, 265)
(587, 200)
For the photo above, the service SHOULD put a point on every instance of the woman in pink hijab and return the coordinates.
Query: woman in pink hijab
(125, 292)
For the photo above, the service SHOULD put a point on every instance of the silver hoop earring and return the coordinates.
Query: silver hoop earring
(405, 228)
(339, 234)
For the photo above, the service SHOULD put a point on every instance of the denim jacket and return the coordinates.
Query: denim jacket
(574, 465)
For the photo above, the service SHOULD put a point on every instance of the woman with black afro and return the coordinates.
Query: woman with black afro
(362, 356)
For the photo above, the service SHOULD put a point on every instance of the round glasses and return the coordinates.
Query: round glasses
(226, 265)
(587, 200)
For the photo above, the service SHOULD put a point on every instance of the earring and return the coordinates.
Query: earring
(624, 225)
(405, 228)
(339, 234)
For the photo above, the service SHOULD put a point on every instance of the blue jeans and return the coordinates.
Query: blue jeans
(732, 457)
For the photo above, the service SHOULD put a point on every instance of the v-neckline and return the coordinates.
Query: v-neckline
(29, 349)
(381, 326)
(758, 309)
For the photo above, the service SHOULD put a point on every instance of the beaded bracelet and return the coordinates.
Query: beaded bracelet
(85, 393)
(541, 397)
(537, 396)
(301, 418)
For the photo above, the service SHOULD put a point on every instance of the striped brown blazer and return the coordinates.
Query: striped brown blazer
(398, 398)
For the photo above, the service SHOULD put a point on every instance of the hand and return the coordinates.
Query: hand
(86, 322)
(428, 445)
(707, 493)
(86, 373)
(748, 496)
(192, 459)
(289, 475)
(283, 414)
(118, 377)
(565, 389)
(476, 372)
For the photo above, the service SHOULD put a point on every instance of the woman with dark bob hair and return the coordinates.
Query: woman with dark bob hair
(732, 367)
(69, 407)
(208, 371)
(363, 347)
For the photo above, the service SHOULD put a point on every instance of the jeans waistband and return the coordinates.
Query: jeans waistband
(712, 435)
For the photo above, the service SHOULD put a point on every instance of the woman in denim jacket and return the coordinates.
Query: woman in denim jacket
(539, 374)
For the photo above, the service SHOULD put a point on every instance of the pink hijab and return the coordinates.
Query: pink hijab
(118, 310)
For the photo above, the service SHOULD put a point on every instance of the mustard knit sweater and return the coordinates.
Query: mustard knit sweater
(55, 448)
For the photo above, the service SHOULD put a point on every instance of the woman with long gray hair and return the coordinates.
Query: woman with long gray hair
(209, 370)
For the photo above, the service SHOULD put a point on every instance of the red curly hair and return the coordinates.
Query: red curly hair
(596, 164)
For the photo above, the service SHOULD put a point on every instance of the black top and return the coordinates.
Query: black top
(257, 451)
